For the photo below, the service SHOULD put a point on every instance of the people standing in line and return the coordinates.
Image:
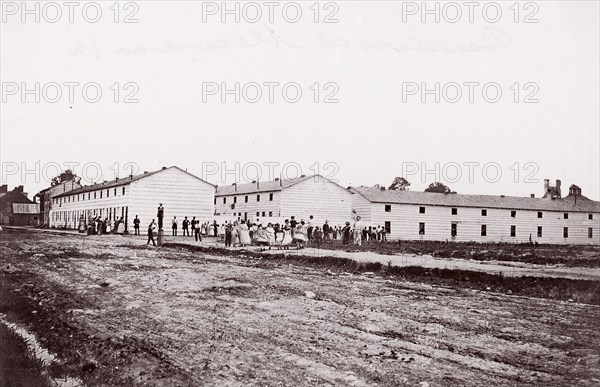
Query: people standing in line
(185, 226)
(136, 225)
(174, 226)
(151, 228)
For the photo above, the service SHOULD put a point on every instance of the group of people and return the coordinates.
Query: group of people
(290, 233)
(99, 226)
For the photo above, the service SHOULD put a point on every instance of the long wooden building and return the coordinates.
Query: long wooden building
(283, 198)
(181, 193)
(551, 219)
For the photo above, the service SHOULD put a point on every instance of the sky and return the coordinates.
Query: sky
(346, 89)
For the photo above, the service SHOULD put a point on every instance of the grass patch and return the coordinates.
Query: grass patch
(18, 365)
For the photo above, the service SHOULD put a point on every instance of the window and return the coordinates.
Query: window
(115, 192)
(246, 199)
(257, 213)
(270, 214)
(263, 214)
(539, 233)
(455, 211)
(483, 212)
(224, 200)
(234, 199)
(591, 216)
(107, 193)
(77, 197)
(483, 230)
(513, 214)
(258, 198)
(421, 210)
(83, 197)
(590, 232)
(388, 208)
(100, 194)
(565, 232)
(566, 215)
(453, 229)
(94, 195)
(421, 228)
(388, 227)
(270, 197)
(540, 214)
(513, 231)
(123, 191)
(90, 195)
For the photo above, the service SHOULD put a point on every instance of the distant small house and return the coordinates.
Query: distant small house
(25, 214)
(27, 211)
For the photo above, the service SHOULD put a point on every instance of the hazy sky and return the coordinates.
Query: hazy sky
(171, 58)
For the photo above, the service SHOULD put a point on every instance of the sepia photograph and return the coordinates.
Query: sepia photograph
(299, 193)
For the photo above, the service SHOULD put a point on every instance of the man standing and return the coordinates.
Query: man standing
(358, 231)
(174, 226)
(160, 215)
(216, 228)
(136, 225)
(151, 228)
(310, 228)
(185, 224)
(326, 231)
(196, 229)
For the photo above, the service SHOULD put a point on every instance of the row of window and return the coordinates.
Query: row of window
(90, 195)
(513, 230)
(246, 199)
(264, 214)
(513, 213)
(112, 213)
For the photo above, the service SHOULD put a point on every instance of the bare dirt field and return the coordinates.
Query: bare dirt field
(119, 313)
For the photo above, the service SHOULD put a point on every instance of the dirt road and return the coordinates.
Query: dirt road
(242, 321)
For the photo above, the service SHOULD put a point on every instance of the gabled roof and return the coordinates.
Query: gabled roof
(265, 186)
(26, 208)
(121, 182)
(14, 197)
(568, 204)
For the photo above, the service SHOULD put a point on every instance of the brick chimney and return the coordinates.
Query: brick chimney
(4, 188)
(558, 193)
(546, 186)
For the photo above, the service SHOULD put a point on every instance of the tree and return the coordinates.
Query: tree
(399, 184)
(438, 187)
(65, 176)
